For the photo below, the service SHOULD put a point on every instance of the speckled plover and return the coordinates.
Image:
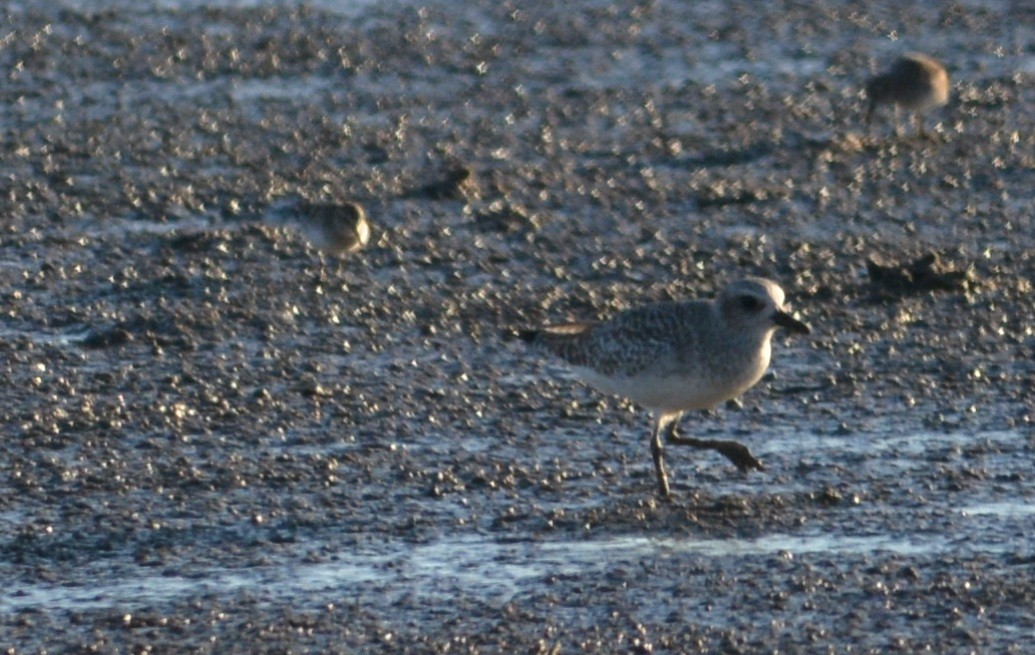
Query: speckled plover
(915, 82)
(674, 357)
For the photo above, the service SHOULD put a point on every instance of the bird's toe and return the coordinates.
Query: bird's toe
(742, 457)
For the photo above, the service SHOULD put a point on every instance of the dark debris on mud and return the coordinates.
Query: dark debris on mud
(927, 273)
(218, 438)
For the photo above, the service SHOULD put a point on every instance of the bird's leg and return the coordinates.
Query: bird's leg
(734, 451)
(924, 134)
(658, 450)
(898, 121)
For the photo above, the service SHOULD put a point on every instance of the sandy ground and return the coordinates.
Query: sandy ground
(218, 439)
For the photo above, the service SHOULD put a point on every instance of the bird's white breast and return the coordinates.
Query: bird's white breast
(682, 391)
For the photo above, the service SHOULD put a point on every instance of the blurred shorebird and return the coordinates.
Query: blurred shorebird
(915, 82)
(335, 228)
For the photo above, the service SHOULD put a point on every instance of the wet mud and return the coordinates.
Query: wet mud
(218, 437)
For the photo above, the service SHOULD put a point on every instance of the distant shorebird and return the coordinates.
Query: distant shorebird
(335, 228)
(674, 357)
(914, 82)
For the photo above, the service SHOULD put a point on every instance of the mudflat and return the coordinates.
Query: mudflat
(218, 438)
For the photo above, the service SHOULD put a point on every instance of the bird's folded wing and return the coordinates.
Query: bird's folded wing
(608, 350)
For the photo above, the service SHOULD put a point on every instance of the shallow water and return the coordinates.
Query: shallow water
(476, 566)
(345, 7)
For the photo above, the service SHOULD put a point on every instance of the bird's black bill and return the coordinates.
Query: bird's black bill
(785, 320)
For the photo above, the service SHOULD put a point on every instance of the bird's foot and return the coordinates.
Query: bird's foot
(664, 492)
(739, 454)
(734, 451)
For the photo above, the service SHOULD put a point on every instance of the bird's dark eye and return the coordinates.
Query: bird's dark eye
(750, 303)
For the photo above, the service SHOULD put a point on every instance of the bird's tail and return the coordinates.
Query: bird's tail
(555, 338)
(565, 340)
(560, 332)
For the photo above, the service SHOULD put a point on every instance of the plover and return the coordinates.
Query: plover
(915, 82)
(335, 228)
(673, 357)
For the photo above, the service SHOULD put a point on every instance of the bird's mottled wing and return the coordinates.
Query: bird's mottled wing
(653, 337)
